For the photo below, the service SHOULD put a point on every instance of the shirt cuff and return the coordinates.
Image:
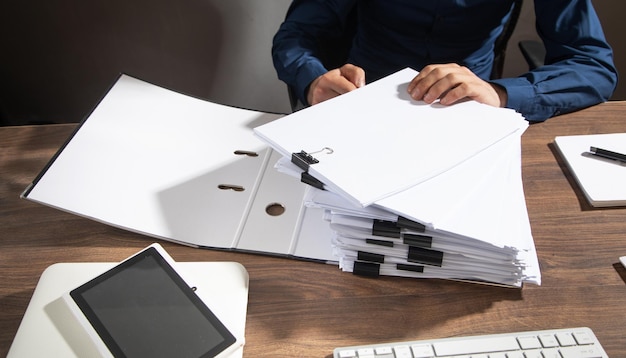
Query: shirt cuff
(306, 75)
(520, 95)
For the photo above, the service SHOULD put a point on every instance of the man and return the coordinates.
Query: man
(451, 43)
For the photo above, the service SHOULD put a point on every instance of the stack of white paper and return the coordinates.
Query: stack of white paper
(412, 189)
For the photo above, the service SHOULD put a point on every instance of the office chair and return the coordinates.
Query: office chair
(499, 49)
(334, 51)
(534, 53)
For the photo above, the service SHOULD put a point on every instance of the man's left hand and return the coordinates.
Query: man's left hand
(450, 83)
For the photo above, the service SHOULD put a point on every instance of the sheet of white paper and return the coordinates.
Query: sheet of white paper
(383, 142)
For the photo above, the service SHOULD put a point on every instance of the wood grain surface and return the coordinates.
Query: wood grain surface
(305, 309)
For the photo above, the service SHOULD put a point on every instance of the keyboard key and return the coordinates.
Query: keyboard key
(364, 352)
(383, 350)
(581, 352)
(478, 345)
(548, 340)
(422, 350)
(529, 342)
(402, 351)
(498, 355)
(582, 338)
(347, 353)
(566, 339)
(551, 353)
(533, 353)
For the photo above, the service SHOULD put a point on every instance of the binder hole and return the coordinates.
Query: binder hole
(194, 288)
(231, 187)
(275, 209)
(246, 152)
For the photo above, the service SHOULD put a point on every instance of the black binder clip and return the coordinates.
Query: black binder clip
(369, 269)
(385, 228)
(420, 255)
(410, 224)
(307, 178)
(418, 240)
(303, 160)
(370, 257)
(412, 268)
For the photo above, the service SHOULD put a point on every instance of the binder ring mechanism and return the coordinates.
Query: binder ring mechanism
(231, 187)
(275, 209)
(234, 187)
(303, 160)
(272, 209)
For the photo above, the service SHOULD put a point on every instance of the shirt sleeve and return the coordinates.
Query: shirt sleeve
(578, 70)
(296, 53)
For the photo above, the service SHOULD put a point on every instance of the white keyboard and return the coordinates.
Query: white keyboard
(556, 343)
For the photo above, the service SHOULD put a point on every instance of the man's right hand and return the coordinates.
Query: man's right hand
(335, 82)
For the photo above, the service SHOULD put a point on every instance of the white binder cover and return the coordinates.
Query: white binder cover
(178, 168)
(39, 336)
(601, 180)
(376, 141)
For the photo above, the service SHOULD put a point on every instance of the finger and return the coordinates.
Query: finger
(423, 82)
(354, 74)
(455, 94)
(429, 75)
(443, 87)
(412, 88)
(327, 86)
(333, 87)
(412, 84)
(481, 92)
(342, 85)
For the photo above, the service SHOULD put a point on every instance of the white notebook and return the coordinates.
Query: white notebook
(603, 181)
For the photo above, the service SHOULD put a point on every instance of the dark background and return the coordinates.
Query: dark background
(59, 57)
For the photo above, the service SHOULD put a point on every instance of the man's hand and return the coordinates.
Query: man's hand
(450, 83)
(335, 82)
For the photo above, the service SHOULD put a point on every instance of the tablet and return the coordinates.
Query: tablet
(143, 308)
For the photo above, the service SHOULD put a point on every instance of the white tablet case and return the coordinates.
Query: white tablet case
(39, 336)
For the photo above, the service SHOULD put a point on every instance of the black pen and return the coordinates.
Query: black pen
(608, 154)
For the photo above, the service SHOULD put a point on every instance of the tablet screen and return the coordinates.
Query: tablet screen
(143, 308)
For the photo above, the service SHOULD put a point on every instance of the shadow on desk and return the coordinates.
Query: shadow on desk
(621, 271)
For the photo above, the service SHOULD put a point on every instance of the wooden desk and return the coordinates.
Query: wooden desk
(306, 309)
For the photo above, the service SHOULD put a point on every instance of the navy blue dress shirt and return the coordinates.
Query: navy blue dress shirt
(394, 34)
